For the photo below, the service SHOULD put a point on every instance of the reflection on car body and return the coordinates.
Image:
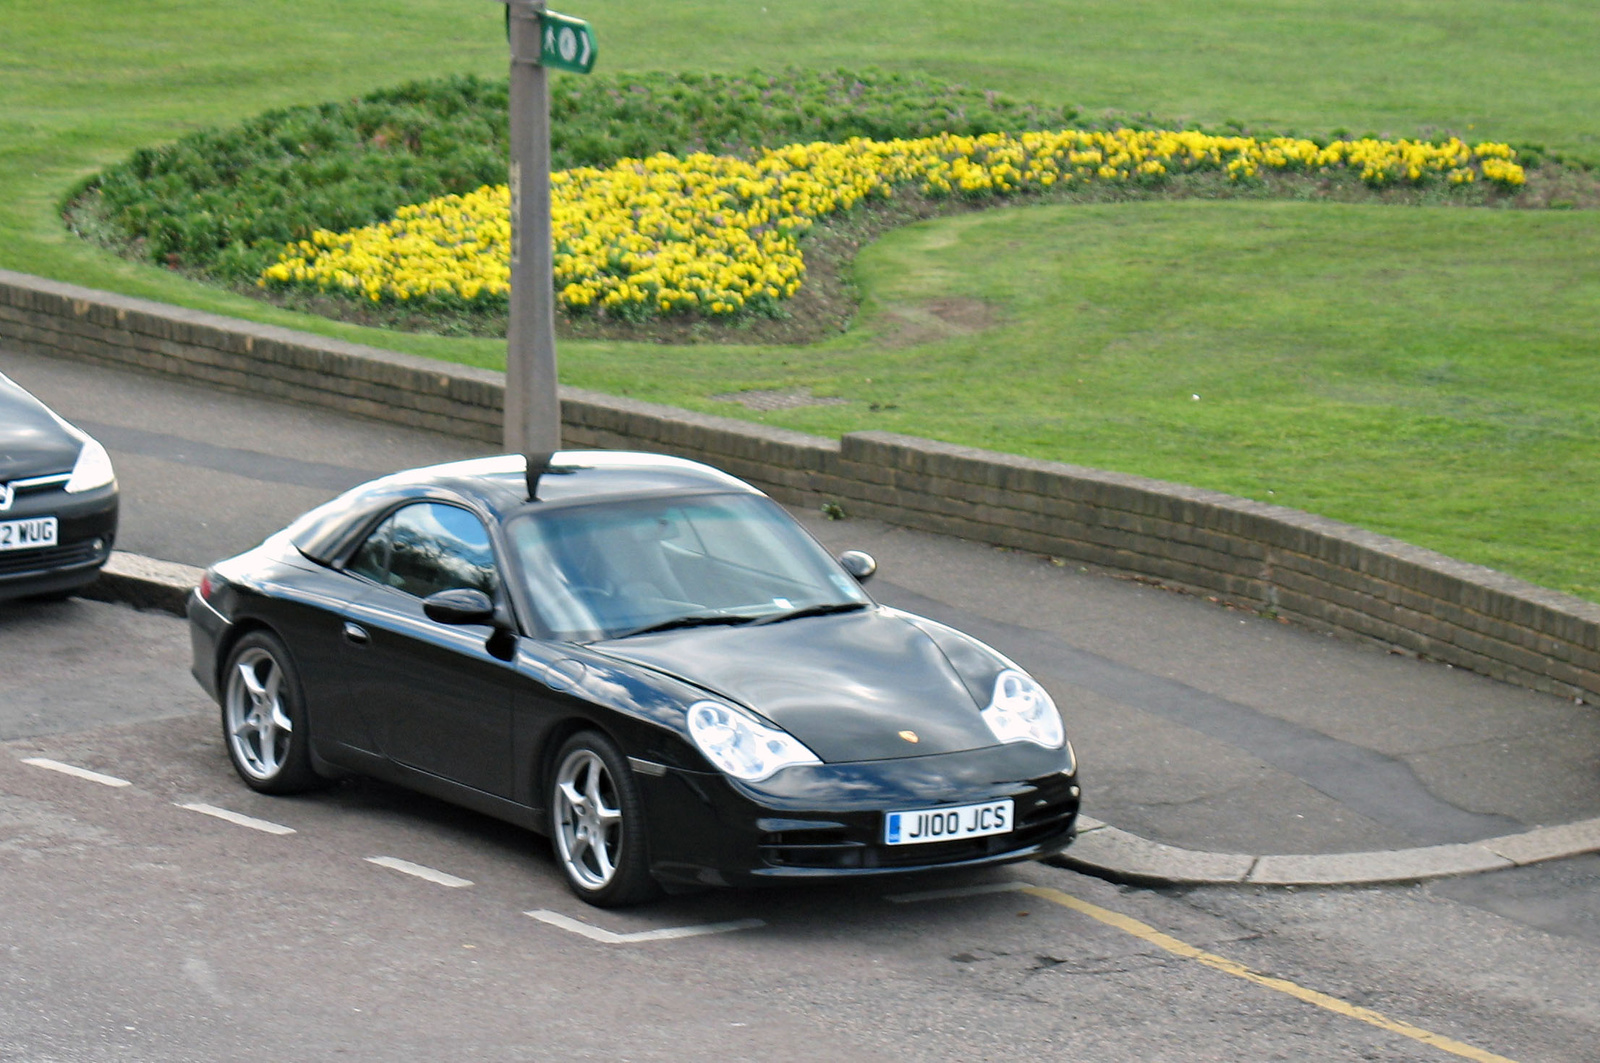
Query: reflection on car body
(643, 657)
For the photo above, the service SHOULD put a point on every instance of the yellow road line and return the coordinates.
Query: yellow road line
(1221, 963)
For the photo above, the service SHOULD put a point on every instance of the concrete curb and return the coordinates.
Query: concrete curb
(144, 583)
(1106, 852)
(1101, 849)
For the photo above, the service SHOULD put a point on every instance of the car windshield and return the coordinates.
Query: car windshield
(611, 569)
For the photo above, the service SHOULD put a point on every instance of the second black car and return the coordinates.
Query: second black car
(58, 500)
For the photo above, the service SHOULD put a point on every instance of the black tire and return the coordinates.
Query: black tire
(264, 721)
(597, 824)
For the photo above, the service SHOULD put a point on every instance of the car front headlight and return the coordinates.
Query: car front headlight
(741, 745)
(1021, 711)
(93, 467)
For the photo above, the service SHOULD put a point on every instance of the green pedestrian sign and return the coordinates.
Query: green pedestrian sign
(565, 43)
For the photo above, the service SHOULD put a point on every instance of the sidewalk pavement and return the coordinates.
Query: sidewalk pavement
(1101, 849)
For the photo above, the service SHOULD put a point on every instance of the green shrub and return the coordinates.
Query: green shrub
(224, 202)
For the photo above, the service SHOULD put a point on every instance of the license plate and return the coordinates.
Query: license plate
(31, 534)
(946, 824)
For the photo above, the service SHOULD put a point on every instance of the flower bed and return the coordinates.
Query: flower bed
(719, 236)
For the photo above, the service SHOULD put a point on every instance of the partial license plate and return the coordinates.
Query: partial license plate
(31, 534)
(946, 824)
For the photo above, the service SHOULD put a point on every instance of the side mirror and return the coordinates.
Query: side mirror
(460, 605)
(466, 605)
(859, 564)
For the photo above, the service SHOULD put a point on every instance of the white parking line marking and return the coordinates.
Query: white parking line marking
(406, 866)
(75, 772)
(963, 891)
(607, 937)
(265, 826)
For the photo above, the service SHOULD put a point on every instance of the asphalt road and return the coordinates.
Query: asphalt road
(138, 929)
(138, 925)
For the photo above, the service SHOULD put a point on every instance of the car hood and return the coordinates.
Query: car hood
(32, 441)
(850, 686)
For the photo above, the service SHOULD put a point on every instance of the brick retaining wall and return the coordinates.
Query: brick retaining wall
(1321, 573)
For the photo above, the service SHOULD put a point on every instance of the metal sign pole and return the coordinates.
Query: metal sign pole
(533, 406)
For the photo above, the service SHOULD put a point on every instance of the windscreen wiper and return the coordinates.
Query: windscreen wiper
(821, 609)
(692, 620)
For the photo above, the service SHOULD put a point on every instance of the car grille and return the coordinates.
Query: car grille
(38, 485)
(51, 557)
(842, 848)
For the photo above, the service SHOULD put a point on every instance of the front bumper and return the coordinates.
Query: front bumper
(86, 529)
(827, 821)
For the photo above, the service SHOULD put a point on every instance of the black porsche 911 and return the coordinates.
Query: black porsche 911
(58, 500)
(641, 656)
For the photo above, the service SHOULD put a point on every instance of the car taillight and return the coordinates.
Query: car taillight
(207, 585)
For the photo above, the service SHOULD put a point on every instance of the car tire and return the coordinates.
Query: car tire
(264, 722)
(597, 824)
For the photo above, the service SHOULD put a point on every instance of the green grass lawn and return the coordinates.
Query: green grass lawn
(1427, 372)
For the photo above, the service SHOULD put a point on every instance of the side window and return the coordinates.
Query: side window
(372, 558)
(428, 547)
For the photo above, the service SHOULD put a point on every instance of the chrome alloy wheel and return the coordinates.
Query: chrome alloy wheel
(258, 727)
(588, 819)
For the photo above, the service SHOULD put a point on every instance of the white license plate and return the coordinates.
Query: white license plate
(946, 824)
(31, 534)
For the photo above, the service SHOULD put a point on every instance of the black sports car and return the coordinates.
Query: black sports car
(641, 656)
(58, 500)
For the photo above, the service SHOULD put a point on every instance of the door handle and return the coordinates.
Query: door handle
(356, 634)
